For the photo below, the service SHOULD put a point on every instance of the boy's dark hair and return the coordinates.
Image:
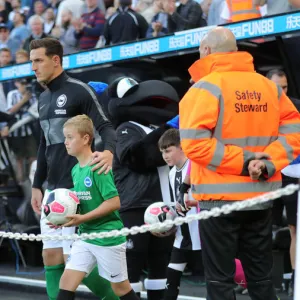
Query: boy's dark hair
(170, 138)
(277, 72)
(52, 46)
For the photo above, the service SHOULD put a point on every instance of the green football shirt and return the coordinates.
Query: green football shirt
(92, 190)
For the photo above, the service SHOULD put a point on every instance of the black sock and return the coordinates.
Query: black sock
(173, 284)
(293, 277)
(65, 295)
(130, 296)
(155, 294)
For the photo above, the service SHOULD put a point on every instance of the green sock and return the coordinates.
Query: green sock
(99, 286)
(53, 274)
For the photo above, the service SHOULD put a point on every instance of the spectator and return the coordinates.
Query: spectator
(16, 6)
(141, 6)
(6, 60)
(8, 6)
(205, 5)
(36, 24)
(187, 15)
(125, 25)
(214, 13)
(100, 4)
(159, 23)
(75, 6)
(243, 10)
(3, 12)
(21, 141)
(49, 20)
(22, 56)
(5, 57)
(39, 8)
(20, 30)
(54, 4)
(277, 7)
(66, 33)
(152, 10)
(90, 27)
(6, 41)
(109, 12)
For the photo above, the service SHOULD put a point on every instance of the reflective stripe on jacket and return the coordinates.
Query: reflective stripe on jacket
(227, 115)
(242, 10)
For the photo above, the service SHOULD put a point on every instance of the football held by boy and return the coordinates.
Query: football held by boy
(99, 204)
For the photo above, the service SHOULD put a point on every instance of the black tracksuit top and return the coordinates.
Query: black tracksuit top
(65, 97)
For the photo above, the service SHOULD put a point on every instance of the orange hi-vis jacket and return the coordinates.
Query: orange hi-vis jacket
(242, 10)
(227, 115)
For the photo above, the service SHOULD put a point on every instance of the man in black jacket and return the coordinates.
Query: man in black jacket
(187, 15)
(125, 25)
(64, 98)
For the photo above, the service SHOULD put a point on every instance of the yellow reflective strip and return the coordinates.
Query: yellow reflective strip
(241, 187)
(217, 157)
(289, 128)
(194, 134)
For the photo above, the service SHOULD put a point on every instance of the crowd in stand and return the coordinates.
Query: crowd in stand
(86, 24)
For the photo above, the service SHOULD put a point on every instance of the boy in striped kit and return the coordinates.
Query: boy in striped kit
(187, 246)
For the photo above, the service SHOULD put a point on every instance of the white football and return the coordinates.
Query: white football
(60, 203)
(159, 212)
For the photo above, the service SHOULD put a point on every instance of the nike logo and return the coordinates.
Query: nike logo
(42, 106)
(113, 276)
(125, 131)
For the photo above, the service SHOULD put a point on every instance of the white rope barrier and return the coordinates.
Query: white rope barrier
(215, 212)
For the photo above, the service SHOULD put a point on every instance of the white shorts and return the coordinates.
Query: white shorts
(45, 229)
(111, 260)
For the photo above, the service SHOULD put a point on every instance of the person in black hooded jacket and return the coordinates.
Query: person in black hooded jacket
(139, 115)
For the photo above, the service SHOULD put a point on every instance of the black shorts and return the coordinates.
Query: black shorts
(181, 256)
(144, 242)
(290, 201)
(23, 146)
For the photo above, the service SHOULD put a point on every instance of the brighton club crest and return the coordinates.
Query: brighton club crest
(61, 100)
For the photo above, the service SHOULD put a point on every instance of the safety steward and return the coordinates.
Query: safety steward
(239, 130)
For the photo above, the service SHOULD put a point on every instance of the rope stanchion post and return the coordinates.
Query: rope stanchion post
(297, 266)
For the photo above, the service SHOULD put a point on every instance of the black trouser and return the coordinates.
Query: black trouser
(147, 250)
(247, 234)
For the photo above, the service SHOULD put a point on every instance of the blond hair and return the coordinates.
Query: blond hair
(22, 52)
(83, 124)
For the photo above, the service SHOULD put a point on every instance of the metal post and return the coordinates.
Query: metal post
(297, 266)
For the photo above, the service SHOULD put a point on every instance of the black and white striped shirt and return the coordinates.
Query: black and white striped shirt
(187, 235)
(14, 97)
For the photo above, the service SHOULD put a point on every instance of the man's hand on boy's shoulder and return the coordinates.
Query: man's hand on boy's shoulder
(102, 161)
